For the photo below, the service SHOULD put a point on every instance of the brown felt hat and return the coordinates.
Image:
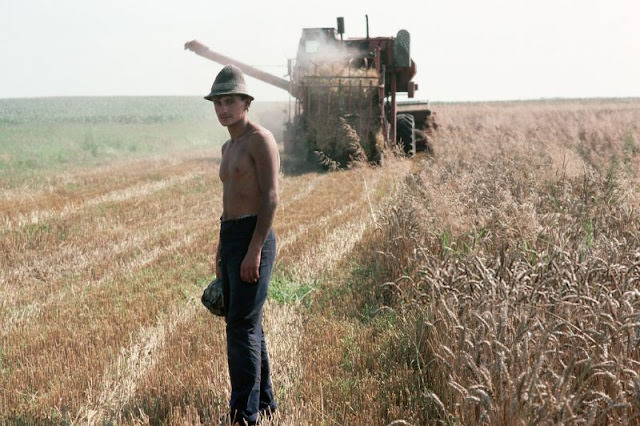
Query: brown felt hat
(229, 81)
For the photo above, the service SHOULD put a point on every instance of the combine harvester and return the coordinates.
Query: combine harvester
(345, 96)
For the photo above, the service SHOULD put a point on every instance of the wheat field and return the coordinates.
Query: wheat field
(497, 282)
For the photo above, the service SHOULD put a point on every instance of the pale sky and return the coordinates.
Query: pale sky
(465, 50)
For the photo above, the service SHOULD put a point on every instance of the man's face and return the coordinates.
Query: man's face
(230, 109)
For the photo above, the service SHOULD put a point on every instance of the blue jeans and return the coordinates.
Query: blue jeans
(251, 388)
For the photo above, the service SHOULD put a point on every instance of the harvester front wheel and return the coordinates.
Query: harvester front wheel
(406, 125)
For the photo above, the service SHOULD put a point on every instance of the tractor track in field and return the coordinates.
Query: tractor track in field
(75, 207)
(120, 251)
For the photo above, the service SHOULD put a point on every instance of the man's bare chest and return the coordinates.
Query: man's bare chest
(236, 162)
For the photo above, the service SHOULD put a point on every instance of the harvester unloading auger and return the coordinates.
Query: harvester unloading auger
(345, 96)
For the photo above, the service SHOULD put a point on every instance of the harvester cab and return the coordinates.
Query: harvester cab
(345, 96)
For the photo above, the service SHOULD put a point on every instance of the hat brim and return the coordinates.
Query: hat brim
(211, 96)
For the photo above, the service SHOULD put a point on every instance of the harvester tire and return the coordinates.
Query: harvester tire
(406, 126)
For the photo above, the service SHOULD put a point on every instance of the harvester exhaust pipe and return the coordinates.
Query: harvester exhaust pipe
(366, 17)
(340, 26)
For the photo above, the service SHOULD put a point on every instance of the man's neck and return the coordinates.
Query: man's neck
(239, 128)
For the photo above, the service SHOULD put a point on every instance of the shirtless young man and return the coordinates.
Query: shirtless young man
(247, 247)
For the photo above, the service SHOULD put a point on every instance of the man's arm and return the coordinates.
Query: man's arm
(217, 267)
(264, 153)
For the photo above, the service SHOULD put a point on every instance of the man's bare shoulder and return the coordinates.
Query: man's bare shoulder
(225, 145)
(263, 149)
(261, 138)
(260, 132)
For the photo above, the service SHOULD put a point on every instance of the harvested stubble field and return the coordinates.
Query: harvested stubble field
(495, 283)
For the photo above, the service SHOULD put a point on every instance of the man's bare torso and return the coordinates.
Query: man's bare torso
(241, 191)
